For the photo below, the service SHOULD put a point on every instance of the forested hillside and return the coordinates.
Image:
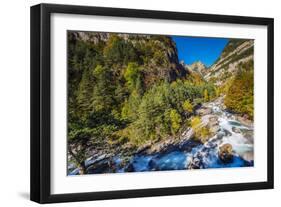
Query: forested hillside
(233, 73)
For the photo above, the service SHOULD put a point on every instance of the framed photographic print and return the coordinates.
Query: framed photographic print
(132, 103)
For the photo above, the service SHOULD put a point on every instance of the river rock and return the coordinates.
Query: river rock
(195, 163)
(143, 148)
(157, 148)
(129, 168)
(203, 111)
(95, 159)
(99, 167)
(220, 134)
(213, 124)
(187, 134)
(245, 121)
(236, 130)
(214, 129)
(213, 120)
(248, 156)
(227, 133)
(225, 153)
(188, 145)
(249, 135)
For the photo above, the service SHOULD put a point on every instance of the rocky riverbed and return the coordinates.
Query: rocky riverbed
(230, 144)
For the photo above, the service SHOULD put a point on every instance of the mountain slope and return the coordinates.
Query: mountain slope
(235, 53)
(197, 67)
(157, 54)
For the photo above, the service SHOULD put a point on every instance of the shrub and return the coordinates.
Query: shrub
(132, 76)
(240, 94)
(201, 132)
(187, 106)
(175, 120)
(206, 95)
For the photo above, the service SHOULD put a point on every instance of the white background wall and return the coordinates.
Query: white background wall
(14, 101)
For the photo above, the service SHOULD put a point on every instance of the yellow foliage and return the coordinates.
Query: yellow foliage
(175, 120)
(240, 91)
(187, 106)
(201, 133)
(218, 91)
(206, 95)
(195, 122)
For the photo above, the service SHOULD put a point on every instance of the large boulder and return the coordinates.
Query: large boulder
(213, 120)
(236, 130)
(213, 124)
(203, 111)
(226, 153)
(195, 164)
(129, 168)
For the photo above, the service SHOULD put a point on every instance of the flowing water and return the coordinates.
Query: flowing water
(206, 155)
(190, 154)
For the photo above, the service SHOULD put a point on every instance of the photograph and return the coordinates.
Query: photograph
(133, 103)
(153, 102)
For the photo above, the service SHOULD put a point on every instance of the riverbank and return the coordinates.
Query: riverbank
(230, 144)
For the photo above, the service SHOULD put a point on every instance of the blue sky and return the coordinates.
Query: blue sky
(205, 49)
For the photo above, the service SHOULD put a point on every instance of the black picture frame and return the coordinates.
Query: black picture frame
(41, 95)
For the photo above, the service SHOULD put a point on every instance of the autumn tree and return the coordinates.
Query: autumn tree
(187, 107)
(201, 132)
(175, 120)
(240, 93)
(206, 95)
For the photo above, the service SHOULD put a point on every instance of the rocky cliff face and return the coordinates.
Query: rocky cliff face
(159, 53)
(234, 54)
(88, 36)
(198, 67)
